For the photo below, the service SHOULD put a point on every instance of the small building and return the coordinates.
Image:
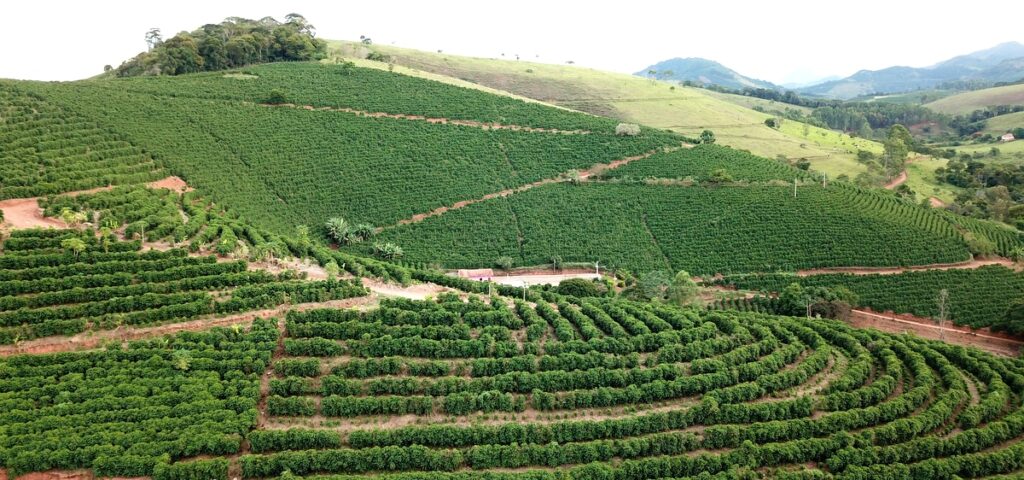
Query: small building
(475, 273)
(1007, 138)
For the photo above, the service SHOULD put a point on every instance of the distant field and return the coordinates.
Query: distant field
(912, 98)
(921, 179)
(1008, 152)
(968, 102)
(1004, 123)
(752, 102)
(634, 99)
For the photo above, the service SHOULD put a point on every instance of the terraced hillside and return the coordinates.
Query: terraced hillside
(61, 282)
(977, 297)
(703, 229)
(277, 146)
(389, 153)
(634, 99)
(45, 149)
(562, 388)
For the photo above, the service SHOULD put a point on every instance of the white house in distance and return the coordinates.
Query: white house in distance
(1007, 138)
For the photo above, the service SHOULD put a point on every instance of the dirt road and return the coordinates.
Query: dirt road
(925, 328)
(583, 175)
(968, 265)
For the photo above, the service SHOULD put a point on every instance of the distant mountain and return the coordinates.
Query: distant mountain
(702, 70)
(809, 83)
(1002, 63)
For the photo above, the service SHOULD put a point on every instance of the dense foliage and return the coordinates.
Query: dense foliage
(45, 149)
(698, 229)
(235, 42)
(127, 411)
(246, 157)
(47, 289)
(702, 161)
(977, 298)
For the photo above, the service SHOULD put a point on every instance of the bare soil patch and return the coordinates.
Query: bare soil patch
(171, 183)
(901, 323)
(20, 213)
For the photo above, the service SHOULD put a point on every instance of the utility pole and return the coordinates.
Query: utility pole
(794, 187)
(943, 302)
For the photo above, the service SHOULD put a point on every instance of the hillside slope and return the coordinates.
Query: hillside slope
(629, 98)
(967, 102)
(459, 177)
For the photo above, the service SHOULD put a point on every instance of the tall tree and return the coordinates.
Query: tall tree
(154, 38)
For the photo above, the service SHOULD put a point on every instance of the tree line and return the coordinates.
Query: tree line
(235, 42)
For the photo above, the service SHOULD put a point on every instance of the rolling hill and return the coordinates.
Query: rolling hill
(703, 71)
(1002, 63)
(223, 329)
(629, 98)
(967, 102)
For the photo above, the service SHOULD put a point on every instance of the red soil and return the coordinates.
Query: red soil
(925, 328)
(970, 264)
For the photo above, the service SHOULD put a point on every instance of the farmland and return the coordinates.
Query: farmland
(47, 150)
(977, 297)
(967, 102)
(241, 153)
(59, 283)
(284, 306)
(642, 227)
(486, 387)
(686, 110)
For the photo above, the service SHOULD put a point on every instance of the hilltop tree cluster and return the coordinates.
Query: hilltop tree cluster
(235, 42)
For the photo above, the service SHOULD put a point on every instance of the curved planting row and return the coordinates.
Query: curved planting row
(614, 389)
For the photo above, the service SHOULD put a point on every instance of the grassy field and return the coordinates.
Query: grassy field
(1008, 152)
(912, 98)
(1004, 123)
(754, 102)
(921, 179)
(970, 101)
(634, 99)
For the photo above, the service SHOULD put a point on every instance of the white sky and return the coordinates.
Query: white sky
(780, 41)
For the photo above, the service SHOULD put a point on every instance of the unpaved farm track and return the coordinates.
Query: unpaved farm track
(899, 180)
(967, 265)
(93, 339)
(583, 175)
(437, 120)
(901, 323)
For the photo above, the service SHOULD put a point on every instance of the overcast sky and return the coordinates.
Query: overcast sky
(779, 41)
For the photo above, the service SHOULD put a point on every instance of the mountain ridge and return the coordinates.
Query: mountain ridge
(1001, 63)
(704, 71)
